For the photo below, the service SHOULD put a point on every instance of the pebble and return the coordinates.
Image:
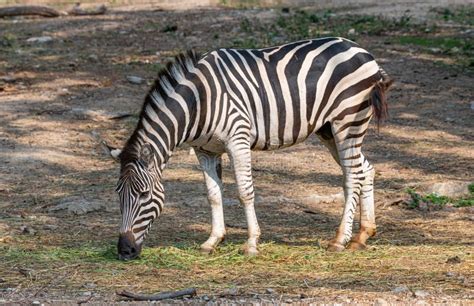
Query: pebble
(380, 302)
(135, 79)
(40, 39)
(450, 274)
(451, 189)
(27, 230)
(420, 293)
(11, 79)
(400, 289)
(230, 291)
(93, 57)
(270, 291)
(351, 32)
(454, 260)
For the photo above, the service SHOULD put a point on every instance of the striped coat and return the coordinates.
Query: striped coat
(238, 100)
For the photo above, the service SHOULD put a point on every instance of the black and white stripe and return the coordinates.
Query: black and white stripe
(238, 100)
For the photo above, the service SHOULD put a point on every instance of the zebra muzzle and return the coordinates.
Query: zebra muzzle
(128, 249)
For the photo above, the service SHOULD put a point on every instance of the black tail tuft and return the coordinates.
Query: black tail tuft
(378, 98)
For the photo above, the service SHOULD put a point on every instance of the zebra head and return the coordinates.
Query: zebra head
(141, 199)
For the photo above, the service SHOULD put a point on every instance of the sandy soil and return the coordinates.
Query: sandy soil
(57, 110)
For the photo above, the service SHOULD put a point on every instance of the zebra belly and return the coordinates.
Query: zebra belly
(274, 143)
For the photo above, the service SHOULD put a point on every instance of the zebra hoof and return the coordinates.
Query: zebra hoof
(335, 247)
(356, 246)
(250, 251)
(206, 250)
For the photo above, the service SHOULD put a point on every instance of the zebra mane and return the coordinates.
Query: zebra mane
(164, 84)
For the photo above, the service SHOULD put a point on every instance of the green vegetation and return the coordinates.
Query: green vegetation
(462, 15)
(301, 24)
(435, 201)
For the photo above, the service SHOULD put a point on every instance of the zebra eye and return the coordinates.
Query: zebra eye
(145, 194)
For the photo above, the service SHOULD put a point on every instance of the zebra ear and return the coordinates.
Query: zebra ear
(146, 156)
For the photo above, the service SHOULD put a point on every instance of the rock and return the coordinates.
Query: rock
(472, 105)
(452, 189)
(40, 39)
(380, 302)
(25, 229)
(454, 260)
(50, 227)
(400, 289)
(270, 291)
(87, 293)
(36, 303)
(79, 113)
(93, 58)
(351, 32)
(420, 294)
(135, 79)
(435, 50)
(230, 291)
(455, 50)
(317, 199)
(450, 274)
(90, 285)
(79, 205)
(8, 79)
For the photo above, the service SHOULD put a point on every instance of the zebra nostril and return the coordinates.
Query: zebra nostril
(127, 247)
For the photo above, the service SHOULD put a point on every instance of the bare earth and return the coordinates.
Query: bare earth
(58, 108)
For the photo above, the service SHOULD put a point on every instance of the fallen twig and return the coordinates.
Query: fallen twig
(159, 296)
(23, 10)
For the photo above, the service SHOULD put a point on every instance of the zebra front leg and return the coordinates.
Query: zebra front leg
(239, 152)
(212, 169)
(367, 211)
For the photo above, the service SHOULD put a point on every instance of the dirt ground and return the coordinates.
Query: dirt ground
(58, 100)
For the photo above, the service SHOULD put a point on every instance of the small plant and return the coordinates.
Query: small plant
(434, 201)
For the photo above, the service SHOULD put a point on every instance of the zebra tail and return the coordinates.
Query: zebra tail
(378, 98)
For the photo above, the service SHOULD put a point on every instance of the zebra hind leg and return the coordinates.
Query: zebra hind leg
(211, 167)
(367, 210)
(358, 178)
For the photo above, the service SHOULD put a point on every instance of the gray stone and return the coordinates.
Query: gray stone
(452, 189)
(40, 39)
(351, 32)
(380, 302)
(270, 291)
(472, 105)
(317, 199)
(50, 227)
(93, 57)
(230, 291)
(28, 230)
(420, 293)
(8, 79)
(400, 289)
(79, 205)
(135, 79)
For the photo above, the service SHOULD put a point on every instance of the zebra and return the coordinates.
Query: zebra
(237, 100)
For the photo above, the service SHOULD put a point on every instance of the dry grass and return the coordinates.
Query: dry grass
(47, 154)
